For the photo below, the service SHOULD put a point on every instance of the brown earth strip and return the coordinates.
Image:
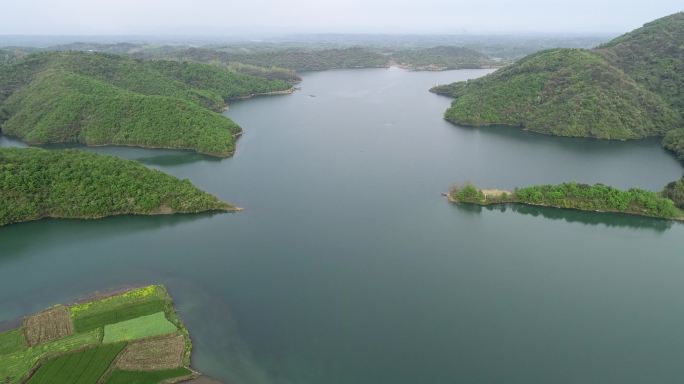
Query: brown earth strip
(201, 380)
(153, 354)
(48, 325)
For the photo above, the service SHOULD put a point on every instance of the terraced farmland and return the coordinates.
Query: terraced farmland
(129, 337)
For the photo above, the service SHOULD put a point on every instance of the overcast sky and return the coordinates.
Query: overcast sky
(129, 17)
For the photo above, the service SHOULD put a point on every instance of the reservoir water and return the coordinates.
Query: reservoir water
(347, 266)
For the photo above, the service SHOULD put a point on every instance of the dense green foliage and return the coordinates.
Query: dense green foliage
(674, 141)
(37, 183)
(675, 192)
(468, 194)
(629, 88)
(653, 56)
(317, 59)
(299, 59)
(597, 197)
(146, 377)
(441, 57)
(82, 367)
(97, 99)
(564, 92)
(273, 73)
(10, 55)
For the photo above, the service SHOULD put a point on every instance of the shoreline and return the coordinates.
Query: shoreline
(119, 214)
(451, 199)
(288, 91)
(441, 68)
(72, 145)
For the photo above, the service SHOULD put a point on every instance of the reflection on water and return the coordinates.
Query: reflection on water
(158, 157)
(65, 231)
(575, 216)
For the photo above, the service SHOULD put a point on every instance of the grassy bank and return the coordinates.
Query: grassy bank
(126, 340)
(584, 197)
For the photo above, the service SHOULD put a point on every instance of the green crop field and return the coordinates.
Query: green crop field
(82, 367)
(12, 341)
(113, 309)
(99, 336)
(14, 366)
(146, 377)
(138, 328)
(118, 314)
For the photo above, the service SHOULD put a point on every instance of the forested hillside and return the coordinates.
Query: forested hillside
(631, 87)
(37, 183)
(98, 99)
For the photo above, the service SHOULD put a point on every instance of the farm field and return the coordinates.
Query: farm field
(133, 336)
(138, 328)
(82, 367)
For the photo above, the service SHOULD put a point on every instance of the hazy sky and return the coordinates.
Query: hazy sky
(357, 16)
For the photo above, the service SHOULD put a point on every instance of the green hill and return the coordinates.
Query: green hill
(653, 56)
(629, 88)
(37, 183)
(98, 99)
(441, 58)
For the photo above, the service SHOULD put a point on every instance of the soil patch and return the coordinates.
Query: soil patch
(153, 354)
(48, 325)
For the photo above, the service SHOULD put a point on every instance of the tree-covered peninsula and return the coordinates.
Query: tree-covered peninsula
(101, 99)
(667, 204)
(37, 183)
(629, 88)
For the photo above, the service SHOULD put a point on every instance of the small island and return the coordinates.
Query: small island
(37, 183)
(584, 197)
(132, 336)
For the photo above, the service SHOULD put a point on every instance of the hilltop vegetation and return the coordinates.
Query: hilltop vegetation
(9, 55)
(37, 183)
(675, 192)
(674, 141)
(583, 197)
(563, 92)
(629, 88)
(318, 59)
(98, 99)
(281, 61)
(653, 56)
(298, 59)
(441, 58)
(157, 346)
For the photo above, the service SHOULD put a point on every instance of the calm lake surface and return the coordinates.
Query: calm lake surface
(347, 265)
